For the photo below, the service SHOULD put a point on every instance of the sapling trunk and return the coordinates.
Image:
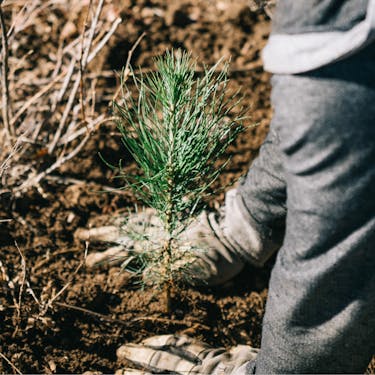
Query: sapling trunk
(176, 131)
(167, 248)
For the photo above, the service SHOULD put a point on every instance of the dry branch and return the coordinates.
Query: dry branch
(82, 65)
(131, 323)
(10, 363)
(23, 280)
(34, 99)
(4, 73)
(127, 65)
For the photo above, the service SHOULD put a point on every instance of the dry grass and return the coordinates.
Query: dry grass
(49, 99)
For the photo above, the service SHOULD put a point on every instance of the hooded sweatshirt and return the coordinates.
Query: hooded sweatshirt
(308, 34)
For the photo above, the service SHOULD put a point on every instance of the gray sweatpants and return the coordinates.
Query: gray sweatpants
(313, 187)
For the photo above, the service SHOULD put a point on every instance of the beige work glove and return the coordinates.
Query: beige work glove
(173, 354)
(227, 240)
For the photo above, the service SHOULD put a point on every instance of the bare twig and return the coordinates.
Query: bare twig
(59, 58)
(9, 282)
(74, 181)
(130, 323)
(34, 98)
(46, 306)
(34, 181)
(93, 96)
(22, 284)
(127, 65)
(69, 137)
(44, 261)
(5, 79)
(73, 93)
(5, 164)
(81, 67)
(92, 32)
(66, 82)
(18, 65)
(166, 321)
(10, 363)
(20, 281)
(31, 292)
(27, 18)
(105, 39)
(16, 19)
(66, 113)
(93, 313)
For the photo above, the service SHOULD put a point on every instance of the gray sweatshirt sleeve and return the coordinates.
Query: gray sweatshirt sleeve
(320, 312)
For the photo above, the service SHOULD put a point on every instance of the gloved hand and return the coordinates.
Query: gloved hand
(227, 239)
(127, 233)
(183, 355)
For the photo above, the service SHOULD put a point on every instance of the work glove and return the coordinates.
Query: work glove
(227, 239)
(173, 354)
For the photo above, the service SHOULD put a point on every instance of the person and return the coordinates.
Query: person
(310, 196)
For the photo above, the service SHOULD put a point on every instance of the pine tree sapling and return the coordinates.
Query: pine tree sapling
(176, 130)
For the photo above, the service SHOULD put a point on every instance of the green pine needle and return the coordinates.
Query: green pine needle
(176, 130)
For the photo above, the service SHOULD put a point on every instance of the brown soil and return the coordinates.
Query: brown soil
(102, 309)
